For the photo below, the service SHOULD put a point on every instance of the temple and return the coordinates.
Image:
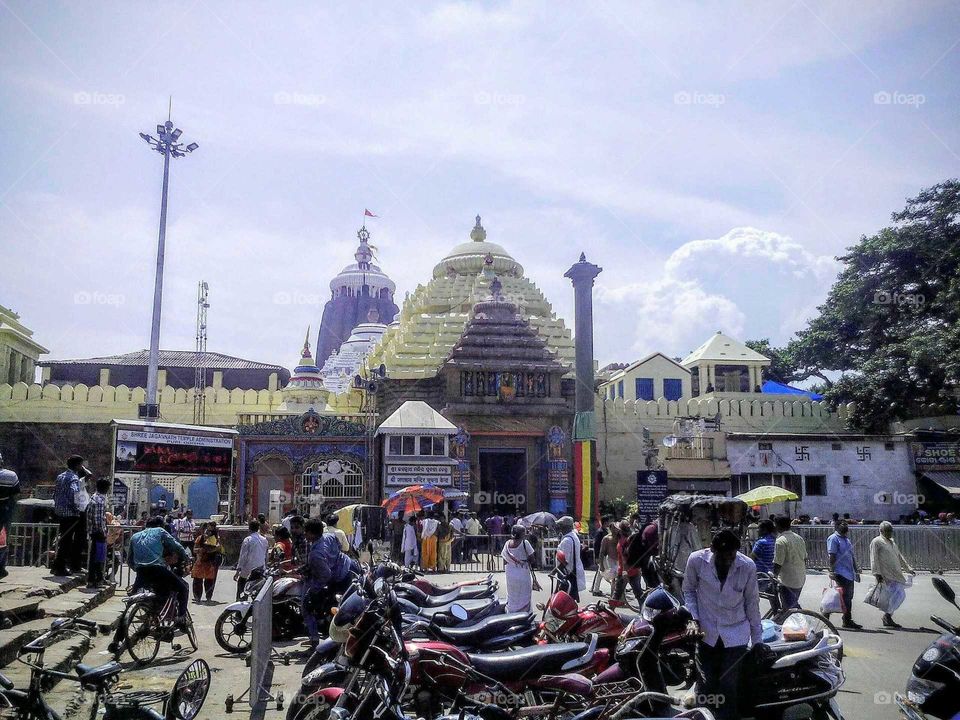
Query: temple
(360, 291)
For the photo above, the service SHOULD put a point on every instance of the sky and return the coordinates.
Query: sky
(713, 158)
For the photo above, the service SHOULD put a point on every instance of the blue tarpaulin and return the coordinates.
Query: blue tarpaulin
(770, 386)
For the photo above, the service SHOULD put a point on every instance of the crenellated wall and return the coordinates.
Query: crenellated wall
(620, 426)
(97, 403)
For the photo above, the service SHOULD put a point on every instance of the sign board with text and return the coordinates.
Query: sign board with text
(936, 455)
(651, 491)
(180, 453)
(403, 474)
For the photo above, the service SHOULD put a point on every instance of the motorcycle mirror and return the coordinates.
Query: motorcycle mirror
(378, 586)
(946, 592)
(458, 611)
(189, 692)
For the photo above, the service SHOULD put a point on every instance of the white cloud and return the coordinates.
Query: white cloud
(748, 283)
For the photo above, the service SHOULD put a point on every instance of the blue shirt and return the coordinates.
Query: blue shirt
(326, 563)
(148, 547)
(64, 500)
(845, 565)
(763, 550)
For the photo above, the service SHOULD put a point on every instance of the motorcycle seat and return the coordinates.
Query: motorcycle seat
(485, 629)
(96, 674)
(532, 661)
(571, 684)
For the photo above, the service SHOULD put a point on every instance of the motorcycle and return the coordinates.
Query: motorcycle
(933, 690)
(418, 597)
(430, 588)
(562, 620)
(234, 629)
(438, 671)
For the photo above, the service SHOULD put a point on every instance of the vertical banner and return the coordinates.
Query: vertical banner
(558, 471)
(585, 490)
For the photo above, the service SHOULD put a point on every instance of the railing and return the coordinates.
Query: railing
(925, 547)
(697, 448)
(28, 544)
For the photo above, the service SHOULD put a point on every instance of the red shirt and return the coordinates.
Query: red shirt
(622, 558)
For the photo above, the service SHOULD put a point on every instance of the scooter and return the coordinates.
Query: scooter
(933, 690)
(234, 629)
(563, 620)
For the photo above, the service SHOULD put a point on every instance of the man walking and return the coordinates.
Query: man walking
(573, 578)
(789, 563)
(720, 591)
(253, 555)
(68, 497)
(844, 570)
(97, 527)
(185, 530)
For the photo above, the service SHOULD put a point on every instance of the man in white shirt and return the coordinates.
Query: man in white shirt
(720, 591)
(571, 566)
(408, 546)
(253, 555)
(456, 525)
(186, 530)
(472, 528)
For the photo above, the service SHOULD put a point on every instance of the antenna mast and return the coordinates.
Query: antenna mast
(200, 357)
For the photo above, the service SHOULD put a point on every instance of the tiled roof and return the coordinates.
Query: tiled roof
(170, 359)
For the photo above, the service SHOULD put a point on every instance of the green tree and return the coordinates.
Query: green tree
(785, 366)
(890, 321)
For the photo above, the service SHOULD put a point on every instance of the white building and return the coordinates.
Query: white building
(344, 363)
(868, 476)
(655, 376)
(416, 447)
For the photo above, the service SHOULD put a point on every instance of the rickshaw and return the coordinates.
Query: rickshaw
(688, 523)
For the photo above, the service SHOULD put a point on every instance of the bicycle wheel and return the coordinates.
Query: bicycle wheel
(141, 633)
(234, 633)
(192, 633)
(816, 621)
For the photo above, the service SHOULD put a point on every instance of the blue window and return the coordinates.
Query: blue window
(672, 388)
(644, 388)
(620, 389)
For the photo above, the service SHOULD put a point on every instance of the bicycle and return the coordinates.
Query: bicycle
(183, 702)
(147, 621)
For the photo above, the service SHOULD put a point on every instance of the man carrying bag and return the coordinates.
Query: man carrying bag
(569, 562)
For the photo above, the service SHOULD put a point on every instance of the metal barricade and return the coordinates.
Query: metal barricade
(261, 645)
(28, 544)
(926, 547)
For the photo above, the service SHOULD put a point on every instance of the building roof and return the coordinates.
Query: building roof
(416, 415)
(617, 374)
(169, 359)
(723, 348)
(10, 325)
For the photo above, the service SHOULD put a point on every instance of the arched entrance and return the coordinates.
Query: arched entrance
(270, 473)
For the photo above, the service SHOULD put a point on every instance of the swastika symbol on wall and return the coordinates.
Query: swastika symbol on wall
(863, 453)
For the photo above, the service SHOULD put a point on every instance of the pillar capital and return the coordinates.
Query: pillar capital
(583, 272)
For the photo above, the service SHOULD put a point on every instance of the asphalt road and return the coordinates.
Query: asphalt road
(877, 660)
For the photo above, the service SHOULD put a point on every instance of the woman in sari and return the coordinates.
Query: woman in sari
(208, 556)
(518, 556)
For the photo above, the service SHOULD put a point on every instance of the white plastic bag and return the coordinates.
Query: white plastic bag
(795, 628)
(831, 601)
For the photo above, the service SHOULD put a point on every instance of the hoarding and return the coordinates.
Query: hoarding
(177, 453)
(936, 455)
(651, 491)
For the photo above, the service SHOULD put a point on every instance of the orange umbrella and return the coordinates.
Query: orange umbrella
(412, 499)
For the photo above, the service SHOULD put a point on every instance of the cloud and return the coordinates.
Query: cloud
(748, 283)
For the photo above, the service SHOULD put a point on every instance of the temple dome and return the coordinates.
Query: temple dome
(468, 258)
(363, 272)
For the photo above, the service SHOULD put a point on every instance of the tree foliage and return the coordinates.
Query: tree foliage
(890, 321)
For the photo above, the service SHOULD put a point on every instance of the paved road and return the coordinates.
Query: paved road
(877, 661)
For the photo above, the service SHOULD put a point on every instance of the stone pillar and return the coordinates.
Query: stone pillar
(582, 274)
(104, 377)
(217, 379)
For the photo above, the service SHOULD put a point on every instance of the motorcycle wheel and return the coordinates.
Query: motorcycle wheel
(233, 633)
(309, 708)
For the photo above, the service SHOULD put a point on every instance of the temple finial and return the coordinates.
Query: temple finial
(478, 234)
(306, 343)
(583, 257)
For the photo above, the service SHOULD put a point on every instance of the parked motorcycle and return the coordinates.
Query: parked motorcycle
(417, 596)
(562, 620)
(430, 588)
(234, 629)
(933, 690)
(439, 672)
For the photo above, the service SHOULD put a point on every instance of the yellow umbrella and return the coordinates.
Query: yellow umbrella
(766, 494)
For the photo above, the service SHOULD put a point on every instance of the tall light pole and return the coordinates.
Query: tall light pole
(167, 144)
